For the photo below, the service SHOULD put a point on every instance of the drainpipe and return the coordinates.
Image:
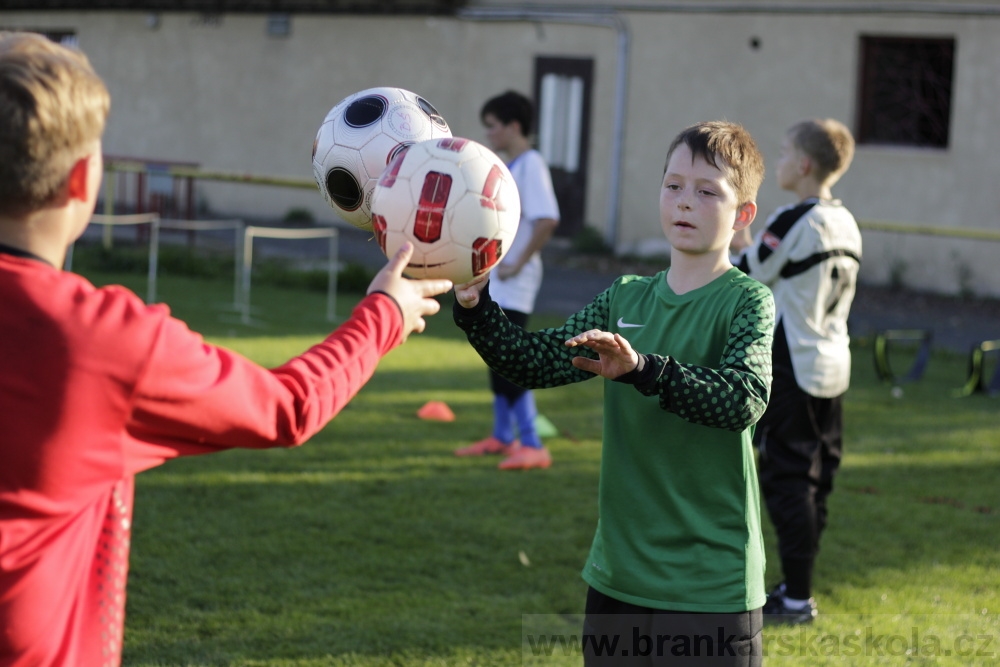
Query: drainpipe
(606, 19)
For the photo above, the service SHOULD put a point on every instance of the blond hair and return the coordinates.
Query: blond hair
(828, 143)
(53, 107)
(729, 148)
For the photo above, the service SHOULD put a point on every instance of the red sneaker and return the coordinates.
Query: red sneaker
(526, 458)
(488, 445)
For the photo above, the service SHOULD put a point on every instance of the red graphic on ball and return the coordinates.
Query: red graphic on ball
(429, 219)
(379, 225)
(388, 177)
(453, 144)
(491, 188)
(485, 253)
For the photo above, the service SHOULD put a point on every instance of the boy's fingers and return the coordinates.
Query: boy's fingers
(432, 287)
(583, 338)
(589, 365)
(431, 306)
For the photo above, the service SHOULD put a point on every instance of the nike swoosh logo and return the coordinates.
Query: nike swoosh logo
(622, 324)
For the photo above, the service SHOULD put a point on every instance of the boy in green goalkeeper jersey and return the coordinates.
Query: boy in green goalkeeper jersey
(676, 567)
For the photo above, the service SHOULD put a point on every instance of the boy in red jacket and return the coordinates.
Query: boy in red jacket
(95, 386)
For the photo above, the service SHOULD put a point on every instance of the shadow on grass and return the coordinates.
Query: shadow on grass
(300, 556)
(414, 551)
(372, 540)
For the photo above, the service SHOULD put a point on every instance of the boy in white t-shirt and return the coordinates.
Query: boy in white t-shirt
(517, 279)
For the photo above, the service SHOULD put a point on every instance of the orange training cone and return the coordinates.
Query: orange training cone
(436, 411)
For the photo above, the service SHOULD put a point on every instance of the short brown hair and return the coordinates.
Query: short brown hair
(827, 142)
(53, 106)
(731, 144)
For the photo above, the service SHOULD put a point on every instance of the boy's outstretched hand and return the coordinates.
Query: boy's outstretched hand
(467, 294)
(616, 355)
(413, 296)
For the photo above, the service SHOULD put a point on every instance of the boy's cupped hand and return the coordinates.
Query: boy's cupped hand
(467, 294)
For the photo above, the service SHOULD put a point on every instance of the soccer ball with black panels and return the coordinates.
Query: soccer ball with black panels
(455, 201)
(359, 137)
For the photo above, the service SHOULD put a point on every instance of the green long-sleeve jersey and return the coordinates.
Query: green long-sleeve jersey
(679, 510)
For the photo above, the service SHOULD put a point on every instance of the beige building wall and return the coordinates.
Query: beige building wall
(224, 94)
(702, 66)
(227, 96)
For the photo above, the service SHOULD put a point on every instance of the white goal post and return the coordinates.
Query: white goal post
(110, 221)
(251, 232)
(243, 252)
(198, 226)
(156, 223)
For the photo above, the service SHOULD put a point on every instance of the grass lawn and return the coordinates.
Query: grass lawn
(373, 545)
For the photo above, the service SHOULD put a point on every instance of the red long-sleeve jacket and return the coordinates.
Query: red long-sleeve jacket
(96, 386)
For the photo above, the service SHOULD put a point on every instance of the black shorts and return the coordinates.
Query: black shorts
(619, 633)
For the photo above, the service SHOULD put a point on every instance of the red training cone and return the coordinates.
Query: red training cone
(436, 411)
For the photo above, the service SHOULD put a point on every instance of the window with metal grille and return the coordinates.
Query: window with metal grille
(905, 91)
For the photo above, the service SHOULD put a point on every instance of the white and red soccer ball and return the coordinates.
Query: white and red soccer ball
(454, 200)
(359, 137)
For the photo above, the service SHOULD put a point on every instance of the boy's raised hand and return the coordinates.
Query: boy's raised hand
(616, 356)
(413, 296)
(467, 294)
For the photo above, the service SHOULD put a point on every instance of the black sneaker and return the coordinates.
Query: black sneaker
(776, 612)
(776, 592)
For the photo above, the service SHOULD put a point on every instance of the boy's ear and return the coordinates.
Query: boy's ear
(745, 215)
(805, 165)
(78, 184)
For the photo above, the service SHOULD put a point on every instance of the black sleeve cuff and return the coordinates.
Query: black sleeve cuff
(643, 373)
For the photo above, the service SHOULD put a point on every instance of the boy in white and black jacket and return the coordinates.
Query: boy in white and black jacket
(809, 255)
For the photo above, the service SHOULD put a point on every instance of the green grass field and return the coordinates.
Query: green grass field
(373, 545)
